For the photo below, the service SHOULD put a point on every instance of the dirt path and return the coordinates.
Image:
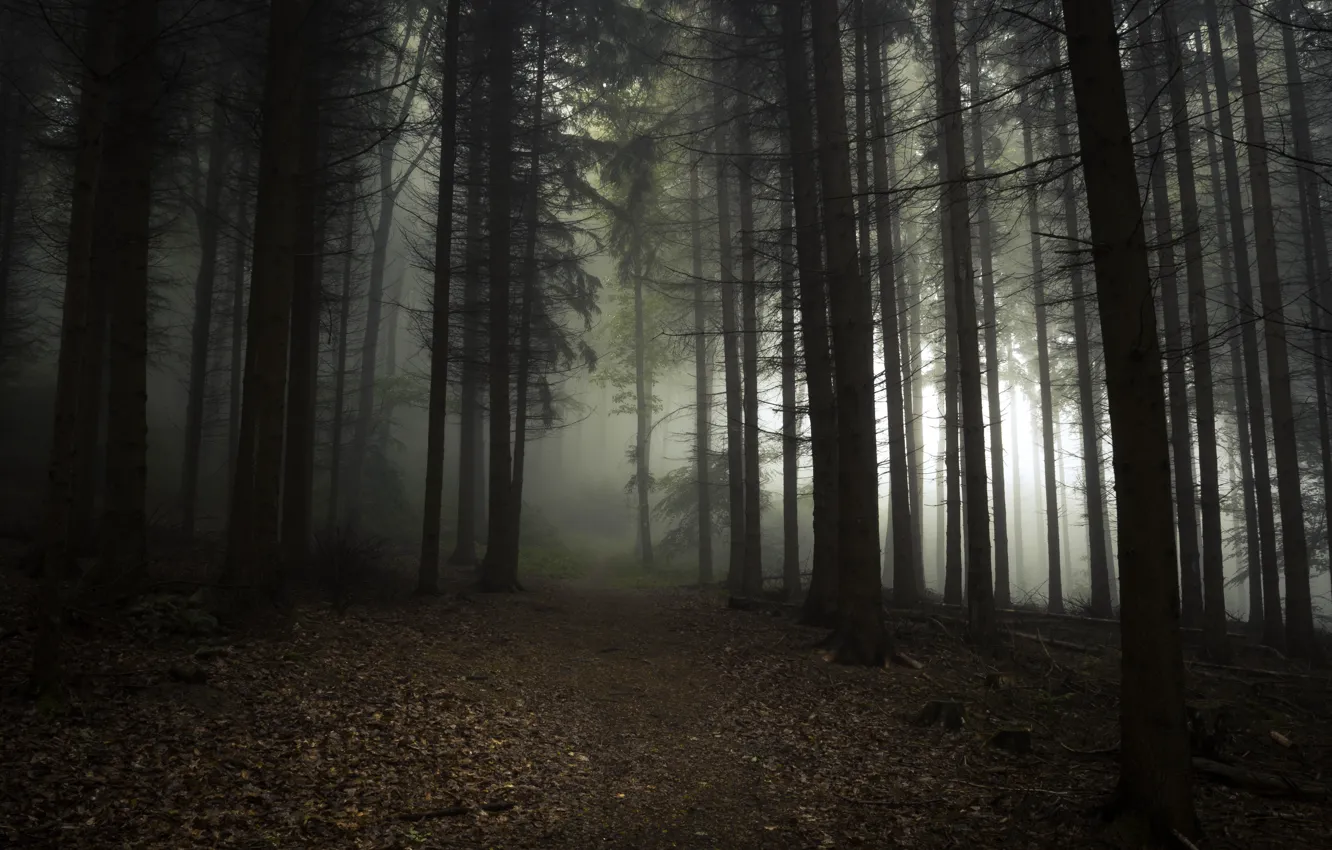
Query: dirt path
(585, 717)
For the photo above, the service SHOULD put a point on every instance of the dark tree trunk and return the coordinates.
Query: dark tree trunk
(340, 370)
(1273, 634)
(1253, 567)
(499, 570)
(702, 390)
(861, 636)
(235, 373)
(427, 574)
(1091, 454)
(820, 601)
(1155, 773)
(1181, 440)
(1213, 563)
(128, 162)
(790, 422)
(1301, 641)
(905, 591)
(207, 215)
(752, 576)
(980, 590)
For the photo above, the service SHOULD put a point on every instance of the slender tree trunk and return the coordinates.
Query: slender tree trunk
(1181, 440)
(427, 574)
(470, 459)
(730, 356)
(1002, 579)
(128, 160)
(1213, 563)
(1101, 605)
(790, 422)
(862, 637)
(252, 561)
(235, 374)
(865, 213)
(1019, 579)
(752, 575)
(1301, 642)
(905, 590)
(1155, 771)
(99, 52)
(1273, 634)
(643, 432)
(953, 470)
(820, 601)
(88, 479)
(530, 306)
(499, 570)
(307, 288)
(702, 390)
(1064, 511)
(1316, 255)
(1253, 566)
(980, 590)
(206, 213)
(340, 369)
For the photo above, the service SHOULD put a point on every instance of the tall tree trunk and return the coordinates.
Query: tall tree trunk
(235, 373)
(128, 160)
(252, 561)
(307, 289)
(1241, 408)
(1101, 605)
(861, 637)
(1019, 579)
(980, 590)
(340, 370)
(1155, 772)
(820, 601)
(865, 213)
(470, 459)
(730, 356)
(702, 390)
(1213, 562)
(1301, 642)
(1181, 440)
(530, 307)
(207, 212)
(1316, 255)
(905, 591)
(1064, 511)
(88, 479)
(427, 574)
(1273, 634)
(790, 420)
(99, 56)
(752, 575)
(953, 469)
(499, 570)
(1002, 592)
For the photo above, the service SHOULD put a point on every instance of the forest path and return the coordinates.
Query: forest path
(573, 715)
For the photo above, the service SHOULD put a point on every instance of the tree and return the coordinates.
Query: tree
(1155, 783)
(861, 637)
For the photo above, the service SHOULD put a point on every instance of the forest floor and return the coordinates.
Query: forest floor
(583, 714)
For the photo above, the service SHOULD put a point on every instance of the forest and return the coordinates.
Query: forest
(665, 423)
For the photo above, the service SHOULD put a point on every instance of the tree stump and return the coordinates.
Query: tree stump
(947, 712)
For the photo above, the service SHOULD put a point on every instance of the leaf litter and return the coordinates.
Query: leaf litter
(578, 717)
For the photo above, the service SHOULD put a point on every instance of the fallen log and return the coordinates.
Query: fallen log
(1266, 784)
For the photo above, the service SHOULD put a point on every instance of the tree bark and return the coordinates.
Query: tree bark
(980, 590)
(861, 637)
(253, 556)
(905, 591)
(752, 576)
(99, 53)
(128, 161)
(340, 371)
(1002, 579)
(1155, 777)
(790, 421)
(499, 569)
(820, 601)
(235, 374)
(702, 389)
(1213, 564)
(1181, 440)
(1273, 634)
(427, 574)
(1301, 641)
(1091, 455)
